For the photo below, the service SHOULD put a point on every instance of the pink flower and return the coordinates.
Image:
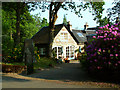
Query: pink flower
(105, 39)
(112, 46)
(111, 55)
(117, 28)
(98, 67)
(118, 34)
(116, 55)
(99, 50)
(103, 26)
(105, 33)
(103, 50)
(110, 29)
(101, 36)
(119, 62)
(94, 36)
(116, 64)
(95, 60)
(100, 27)
(114, 38)
(110, 38)
(109, 62)
(107, 25)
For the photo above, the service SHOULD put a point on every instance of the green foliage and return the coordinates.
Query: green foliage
(44, 62)
(82, 59)
(15, 63)
(40, 22)
(104, 21)
(54, 54)
(65, 20)
(14, 55)
(114, 11)
(28, 27)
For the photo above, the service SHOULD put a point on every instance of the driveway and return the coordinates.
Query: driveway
(66, 75)
(65, 72)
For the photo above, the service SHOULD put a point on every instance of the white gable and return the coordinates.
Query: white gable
(64, 38)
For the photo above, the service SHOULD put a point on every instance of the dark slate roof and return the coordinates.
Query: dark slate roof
(80, 39)
(42, 36)
(92, 28)
(91, 31)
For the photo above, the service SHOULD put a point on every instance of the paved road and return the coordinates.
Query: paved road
(63, 76)
(64, 72)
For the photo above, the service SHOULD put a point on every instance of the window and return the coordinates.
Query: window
(67, 52)
(70, 51)
(80, 34)
(64, 36)
(58, 51)
(42, 51)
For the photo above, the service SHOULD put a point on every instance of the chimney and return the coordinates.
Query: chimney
(69, 25)
(86, 26)
(117, 19)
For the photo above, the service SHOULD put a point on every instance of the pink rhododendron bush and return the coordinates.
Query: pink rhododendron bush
(103, 52)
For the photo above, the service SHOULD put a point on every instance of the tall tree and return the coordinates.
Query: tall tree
(104, 21)
(114, 12)
(65, 20)
(54, 7)
(94, 7)
(19, 8)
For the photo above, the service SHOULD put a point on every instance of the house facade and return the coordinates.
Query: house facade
(66, 41)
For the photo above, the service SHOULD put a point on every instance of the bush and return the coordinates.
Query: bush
(13, 68)
(13, 54)
(103, 53)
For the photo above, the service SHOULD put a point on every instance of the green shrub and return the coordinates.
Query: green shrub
(14, 54)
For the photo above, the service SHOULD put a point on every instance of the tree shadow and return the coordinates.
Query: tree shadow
(11, 79)
(65, 72)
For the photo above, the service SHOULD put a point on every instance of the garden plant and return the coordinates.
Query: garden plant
(103, 52)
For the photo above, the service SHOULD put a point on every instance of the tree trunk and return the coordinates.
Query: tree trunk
(19, 7)
(52, 19)
(17, 35)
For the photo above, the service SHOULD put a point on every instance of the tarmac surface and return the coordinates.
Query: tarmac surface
(66, 75)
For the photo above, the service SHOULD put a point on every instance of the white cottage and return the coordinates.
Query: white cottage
(66, 41)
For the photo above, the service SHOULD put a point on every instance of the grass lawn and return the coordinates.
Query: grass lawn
(41, 63)
(44, 63)
(14, 63)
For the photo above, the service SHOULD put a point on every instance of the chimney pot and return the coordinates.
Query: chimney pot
(86, 26)
(69, 26)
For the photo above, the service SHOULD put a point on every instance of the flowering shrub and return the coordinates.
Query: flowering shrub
(15, 55)
(37, 54)
(103, 53)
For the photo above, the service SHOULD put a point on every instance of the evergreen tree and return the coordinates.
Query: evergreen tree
(65, 20)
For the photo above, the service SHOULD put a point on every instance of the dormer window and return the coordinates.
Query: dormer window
(80, 34)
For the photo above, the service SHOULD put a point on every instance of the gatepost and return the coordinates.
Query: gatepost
(28, 55)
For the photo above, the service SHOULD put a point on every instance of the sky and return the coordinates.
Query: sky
(76, 22)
